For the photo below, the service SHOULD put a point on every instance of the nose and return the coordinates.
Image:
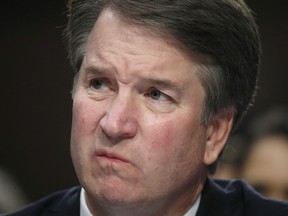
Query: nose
(119, 121)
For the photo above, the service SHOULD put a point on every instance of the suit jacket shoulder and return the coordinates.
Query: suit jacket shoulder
(65, 202)
(219, 198)
(236, 198)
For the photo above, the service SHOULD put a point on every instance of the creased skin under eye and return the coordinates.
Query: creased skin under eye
(99, 89)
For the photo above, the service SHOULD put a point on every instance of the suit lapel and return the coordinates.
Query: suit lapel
(69, 205)
(216, 201)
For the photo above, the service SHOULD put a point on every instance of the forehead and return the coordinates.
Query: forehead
(116, 43)
(111, 23)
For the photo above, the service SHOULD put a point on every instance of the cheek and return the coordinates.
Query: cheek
(84, 125)
(78, 131)
(85, 118)
(175, 155)
(176, 140)
(78, 120)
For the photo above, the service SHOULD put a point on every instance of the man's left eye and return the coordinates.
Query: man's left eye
(158, 95)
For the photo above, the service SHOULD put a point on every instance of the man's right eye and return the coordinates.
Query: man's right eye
(97, 84)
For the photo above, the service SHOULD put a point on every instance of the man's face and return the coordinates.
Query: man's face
(137, 133)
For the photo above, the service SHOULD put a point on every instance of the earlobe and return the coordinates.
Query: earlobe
(217, 133)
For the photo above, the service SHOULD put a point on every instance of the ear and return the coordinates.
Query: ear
(217, 133)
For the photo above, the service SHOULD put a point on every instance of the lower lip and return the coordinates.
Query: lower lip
(111, 160)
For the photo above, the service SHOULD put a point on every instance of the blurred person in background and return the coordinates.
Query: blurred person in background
(12, 196)
(231, 160)
(261, 156)
(265, 165)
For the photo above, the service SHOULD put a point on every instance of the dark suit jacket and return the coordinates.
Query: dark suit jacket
(219, 198)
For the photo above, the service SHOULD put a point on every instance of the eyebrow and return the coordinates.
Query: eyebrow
(164, 83)
(95, 70)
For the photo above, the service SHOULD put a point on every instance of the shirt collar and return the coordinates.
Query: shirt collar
(84, 210)
(193, 210)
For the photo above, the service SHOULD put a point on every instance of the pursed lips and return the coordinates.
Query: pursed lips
(111, 156)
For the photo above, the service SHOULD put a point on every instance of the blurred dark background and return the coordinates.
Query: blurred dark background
(36, 80)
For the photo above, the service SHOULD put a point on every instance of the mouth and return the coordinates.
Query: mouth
(110, 157)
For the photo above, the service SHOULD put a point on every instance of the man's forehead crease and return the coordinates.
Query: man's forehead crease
(145, 79)
(164, 83)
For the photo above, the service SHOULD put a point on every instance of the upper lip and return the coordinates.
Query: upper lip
(111, 155)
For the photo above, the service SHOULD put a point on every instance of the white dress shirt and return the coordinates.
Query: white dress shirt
(84, 210)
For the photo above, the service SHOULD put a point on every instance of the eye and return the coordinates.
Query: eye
(97, 84)
(157, 95)
(158, 101)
